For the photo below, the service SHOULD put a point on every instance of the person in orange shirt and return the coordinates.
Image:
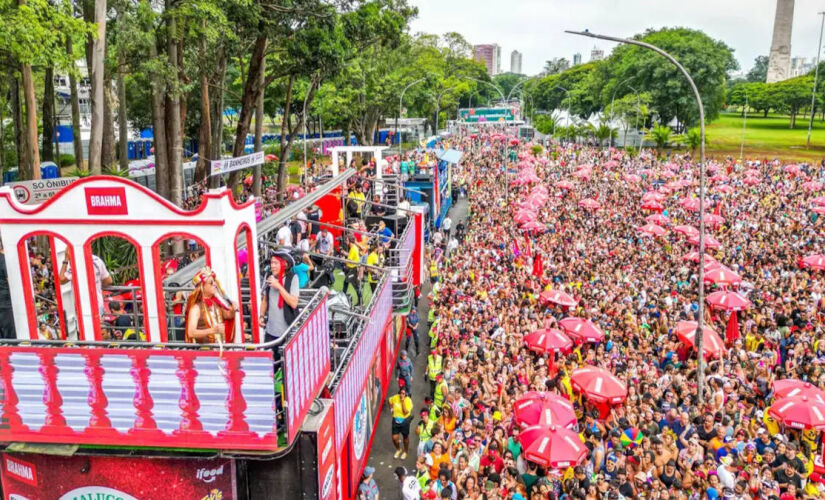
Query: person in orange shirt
(436, 458)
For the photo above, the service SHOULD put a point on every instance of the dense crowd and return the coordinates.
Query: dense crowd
(659, 442)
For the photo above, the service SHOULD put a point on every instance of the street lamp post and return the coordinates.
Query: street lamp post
(488, 83)
(613, 99)
(744, 121)
(638, 112)
(567, 94)
(400, 107)
(700, 351)
(816, 78)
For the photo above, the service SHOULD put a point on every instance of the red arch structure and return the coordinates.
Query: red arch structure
(102, 205)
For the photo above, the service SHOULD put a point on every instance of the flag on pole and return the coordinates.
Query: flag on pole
(528, 252)
(516, 251)
(538, 267)
(732, 332)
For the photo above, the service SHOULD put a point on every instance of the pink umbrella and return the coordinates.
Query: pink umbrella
(714, 220)
(710, 266)
(751, 181)
(653, 205)
(725, 189)
(590, 204)
(582, 174)
(728, 301)
(558, 297)
(812, 186)
(723, 276)
(553, 447)
(694, 257)
(657, 219)
(582, 330)
(635, 179)
(544, 409)
(752, 172)
(598, 385)
(719, 178)
(652, 230)
(534, 226)
(674, 185)
(688, 231)
(789, 388)
(710, 242)
(819, 210)
(792, 169)
(524, 216)
(565, 185)
(819, 201)
(691, 204)
(799, 412)
(653, 196)
(712, 344)
(548, 341)
(816, 261)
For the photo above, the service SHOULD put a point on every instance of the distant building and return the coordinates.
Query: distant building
(577, 59)
(490, 55)
(800, 66)
(515, 62)
(596, 54)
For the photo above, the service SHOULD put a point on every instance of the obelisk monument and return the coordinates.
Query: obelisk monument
(779, 62)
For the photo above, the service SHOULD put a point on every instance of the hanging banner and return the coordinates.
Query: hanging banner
(232, 164)
(36, 192)
(49, 477)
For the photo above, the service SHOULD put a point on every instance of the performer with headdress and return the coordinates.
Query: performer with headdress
(210, 317)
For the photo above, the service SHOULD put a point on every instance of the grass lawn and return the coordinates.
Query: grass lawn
(765, 138)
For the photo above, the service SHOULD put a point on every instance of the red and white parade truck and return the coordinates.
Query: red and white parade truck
(84, 415)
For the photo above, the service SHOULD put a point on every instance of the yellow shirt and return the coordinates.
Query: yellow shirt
(401, 409)
(771, 424)
(354, 255)
(372, 260)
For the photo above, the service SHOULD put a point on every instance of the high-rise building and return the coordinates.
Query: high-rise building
(800, 66)
(577, 59)
(596, 54)
(779, 61)
(515, 62)
(490, 55)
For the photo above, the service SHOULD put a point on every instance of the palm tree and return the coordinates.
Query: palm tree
(660, 134)
(693, 139)
(605, 133)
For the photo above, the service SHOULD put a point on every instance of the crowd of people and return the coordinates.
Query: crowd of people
(663, 440)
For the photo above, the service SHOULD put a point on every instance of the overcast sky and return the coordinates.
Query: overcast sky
(536, 27)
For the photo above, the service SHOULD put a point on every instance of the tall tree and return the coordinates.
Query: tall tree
(97, 95)
(759, 71)
(48, 114)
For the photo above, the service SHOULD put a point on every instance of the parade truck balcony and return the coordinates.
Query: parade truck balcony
(91, 389)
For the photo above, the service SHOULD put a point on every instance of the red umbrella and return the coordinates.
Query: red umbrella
(714, 220)
(545, 409)
(658, 219)
(710, 242)
(558, 297)
(565, 185)
(712, 343)
(598, 385)
(653, 205)
(548, 341)
(271, 158)
(534, 226)
(723, 276)
(728, 301)
(687, 230)
(800, 412)
(590, 204)
(814, 262)
(789, 387)
(553, 447)
(582, 330)
(652, 230)
(694, 257)
(524, 216)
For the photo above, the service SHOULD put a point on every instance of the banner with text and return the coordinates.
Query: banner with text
(232, 164)
(36, 192)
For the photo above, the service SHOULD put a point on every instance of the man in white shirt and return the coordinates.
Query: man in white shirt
(284, 236)
(102, 276)
(447, 225)
(410, 489)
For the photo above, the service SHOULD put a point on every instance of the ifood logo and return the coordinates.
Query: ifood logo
(209, 475)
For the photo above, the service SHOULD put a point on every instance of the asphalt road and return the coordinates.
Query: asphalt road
(381, 455)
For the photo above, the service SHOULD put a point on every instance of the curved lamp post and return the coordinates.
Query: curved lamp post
(400, 107)
(488, 83)
(700, 351)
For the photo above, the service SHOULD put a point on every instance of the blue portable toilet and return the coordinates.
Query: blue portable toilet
(131, 150)
(49, 170)
(10, 175)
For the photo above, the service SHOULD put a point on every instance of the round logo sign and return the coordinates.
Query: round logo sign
(22, 193)
(359, 427)
(96, 492)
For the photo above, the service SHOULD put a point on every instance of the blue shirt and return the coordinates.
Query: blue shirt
(386, 234)
(302, 272)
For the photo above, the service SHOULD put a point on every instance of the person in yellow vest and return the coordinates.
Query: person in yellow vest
(402, 407)
(433, 272)
(434, 367)
(441, 390)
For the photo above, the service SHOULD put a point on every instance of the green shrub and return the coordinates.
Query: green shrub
(66, 160)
